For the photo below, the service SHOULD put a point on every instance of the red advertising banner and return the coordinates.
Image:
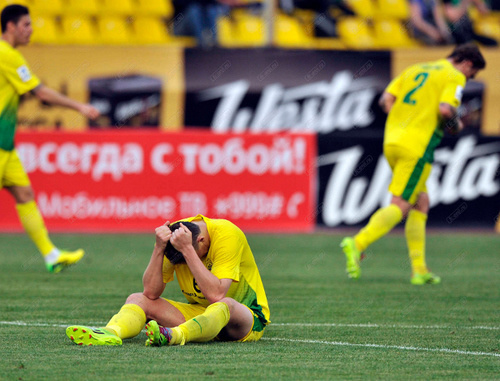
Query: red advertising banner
(132, 181)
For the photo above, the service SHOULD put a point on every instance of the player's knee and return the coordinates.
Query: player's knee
(136, 298)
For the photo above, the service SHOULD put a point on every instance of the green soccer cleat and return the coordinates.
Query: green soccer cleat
(352, 256)
(427, 278)
(81, 335)
(157, 336)
(65, 259)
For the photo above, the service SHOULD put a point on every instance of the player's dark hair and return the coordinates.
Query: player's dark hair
(173, 255)
(468, 52)
(13, 13)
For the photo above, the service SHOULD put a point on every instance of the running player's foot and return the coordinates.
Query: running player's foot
(157, 335)
(92, 336)
(64, 260)
(427, 278)
(352, 256)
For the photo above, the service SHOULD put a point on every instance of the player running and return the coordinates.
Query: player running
(16, 79)
(421, 102)
(217, 274)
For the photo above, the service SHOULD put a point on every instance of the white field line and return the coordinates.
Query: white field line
(397, 326)
(417, 349)
(336, 343)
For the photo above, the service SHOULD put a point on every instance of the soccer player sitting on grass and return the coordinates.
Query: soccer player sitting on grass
(16, 79)
(217, 274)
(421, 102)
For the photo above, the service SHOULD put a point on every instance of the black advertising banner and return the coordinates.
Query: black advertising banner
(270, 90)
(464, 185)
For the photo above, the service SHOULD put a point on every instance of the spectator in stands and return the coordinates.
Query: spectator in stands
(325, 24)
(428, 22)
(460, 24)
(199, 19)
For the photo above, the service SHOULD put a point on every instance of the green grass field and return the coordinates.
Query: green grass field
(323, 325)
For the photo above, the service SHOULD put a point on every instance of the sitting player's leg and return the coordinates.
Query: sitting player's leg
(127, 323)
(415, 239)
(233, 318)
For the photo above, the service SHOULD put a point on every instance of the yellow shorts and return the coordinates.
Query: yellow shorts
(12, 172)
(190, 311)
(409, 173)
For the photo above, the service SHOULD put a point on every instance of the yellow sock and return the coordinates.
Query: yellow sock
(32, 221)
(203, 327)
(128, 322)
(415, 239)
(381, 223)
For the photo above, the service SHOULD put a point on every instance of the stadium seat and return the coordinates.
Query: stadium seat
(79, 30)
(158, 8)
(362, 8)
(45, 30)
(117, 7)
(390, 33)
(46, 7)
(114, 30)
(247, 30)
(355, 33)
(82, 8)
(398, 9)
(4, 3)
(150, 30)
(488, 26)
(288, 31)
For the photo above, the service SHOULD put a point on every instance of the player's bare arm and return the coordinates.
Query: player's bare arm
(386, 101)
(152, 279)
(46, 94)
(212, 287)
(452, 121)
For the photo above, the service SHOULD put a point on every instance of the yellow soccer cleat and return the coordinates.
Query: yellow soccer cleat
(427, 278)
(352, 256)
(65, 259)
(81, 335)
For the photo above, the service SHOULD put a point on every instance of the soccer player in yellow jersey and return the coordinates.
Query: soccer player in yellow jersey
(16, 79)
(217, 274)
(421, 103)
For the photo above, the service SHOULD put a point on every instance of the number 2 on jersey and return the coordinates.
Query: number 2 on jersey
(422, 77)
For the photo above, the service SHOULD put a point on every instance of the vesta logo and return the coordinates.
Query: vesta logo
(466, 172)
(341, 104)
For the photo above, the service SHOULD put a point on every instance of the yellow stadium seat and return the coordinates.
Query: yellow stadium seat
(159, 8)
(79, 30)
(288, 31)
(355, 33)
(4, 3)
(46, 7)
(114, 30)
(82, 7)
(247, 30)
(150, 30)
(117, 7)
(390, 33)
(362, 8)
(45, 30)
(398, 9)
(488, 26)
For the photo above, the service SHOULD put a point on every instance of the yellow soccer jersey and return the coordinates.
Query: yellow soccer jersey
(229, 257)
(414, 120)
(15, 80)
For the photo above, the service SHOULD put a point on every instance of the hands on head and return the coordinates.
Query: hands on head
(180, 238)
